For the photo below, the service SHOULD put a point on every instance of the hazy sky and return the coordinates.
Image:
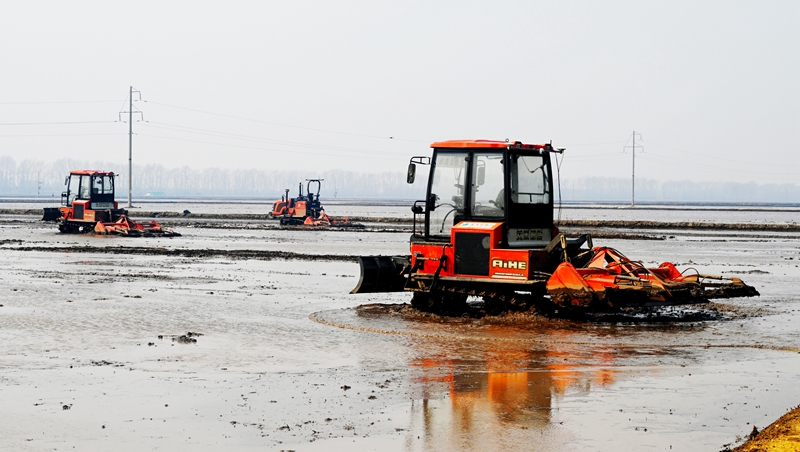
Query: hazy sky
(711, 86)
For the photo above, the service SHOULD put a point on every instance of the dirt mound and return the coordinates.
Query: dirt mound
(781, 435)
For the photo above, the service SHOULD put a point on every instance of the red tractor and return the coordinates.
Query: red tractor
(306, 209)
(485, 228)
(295, 211)
(88, 205)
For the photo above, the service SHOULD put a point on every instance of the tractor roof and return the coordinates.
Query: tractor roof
(91, 172)
(486, 144)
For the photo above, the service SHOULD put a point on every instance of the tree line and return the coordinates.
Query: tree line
(38, 178)
(45, 179)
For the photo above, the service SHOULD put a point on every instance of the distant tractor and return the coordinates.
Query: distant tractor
(88, 205)
(295, 211)
(306, 209)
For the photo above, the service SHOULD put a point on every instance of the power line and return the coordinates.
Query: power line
(62, 134)
(594, 144)
(52, 123)
(60, 102)
(212, 133)
(267, 149)
(599, 156)
(715, 159)
(285, 125)
(683, 164)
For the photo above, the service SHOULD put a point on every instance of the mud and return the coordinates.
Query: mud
(781, 435)
(710, 311)
(183, 252)
(561, 223)
(289, 360)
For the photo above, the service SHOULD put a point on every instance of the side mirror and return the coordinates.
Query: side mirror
(412, 172)
(481, 175)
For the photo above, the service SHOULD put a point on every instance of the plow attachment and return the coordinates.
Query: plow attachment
(127, 227)
(324, 220)
(611, 280)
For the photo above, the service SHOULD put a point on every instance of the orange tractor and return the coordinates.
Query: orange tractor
(306, 209)
(88, 205)
(486, 229)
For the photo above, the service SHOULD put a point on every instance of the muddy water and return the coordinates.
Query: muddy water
(288, 360)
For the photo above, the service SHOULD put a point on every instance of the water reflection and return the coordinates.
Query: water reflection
(487, 395)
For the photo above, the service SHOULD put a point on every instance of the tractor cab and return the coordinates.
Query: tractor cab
(89, 199)
(313, 206)
(487, 217)
(487, 181)
(93, 187)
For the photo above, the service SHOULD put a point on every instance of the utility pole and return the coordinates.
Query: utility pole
(130, 113)
(633, 165)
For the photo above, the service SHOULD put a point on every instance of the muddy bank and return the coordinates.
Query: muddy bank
(391, 226)
(183, 252)
(781, 435)
(623, 224)
(696, 225)
(373, 225)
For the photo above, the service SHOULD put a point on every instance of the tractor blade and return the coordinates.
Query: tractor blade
(51, 214)
(382, 274)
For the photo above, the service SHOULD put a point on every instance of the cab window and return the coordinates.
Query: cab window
(447, 191)
(488, 195)
(72, 188)
(86, 182)
(530, 180)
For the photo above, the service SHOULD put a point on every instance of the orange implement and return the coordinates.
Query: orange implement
(609, 278)
(130, 228)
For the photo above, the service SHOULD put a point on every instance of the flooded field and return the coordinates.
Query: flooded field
(98, 355)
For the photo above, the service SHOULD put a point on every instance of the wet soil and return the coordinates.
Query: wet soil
(183, 252)
(710, 311)
(289, 360)
(681, 225)
(783, 435)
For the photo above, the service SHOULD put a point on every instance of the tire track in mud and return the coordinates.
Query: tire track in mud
(315, 317)
(185, 252)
